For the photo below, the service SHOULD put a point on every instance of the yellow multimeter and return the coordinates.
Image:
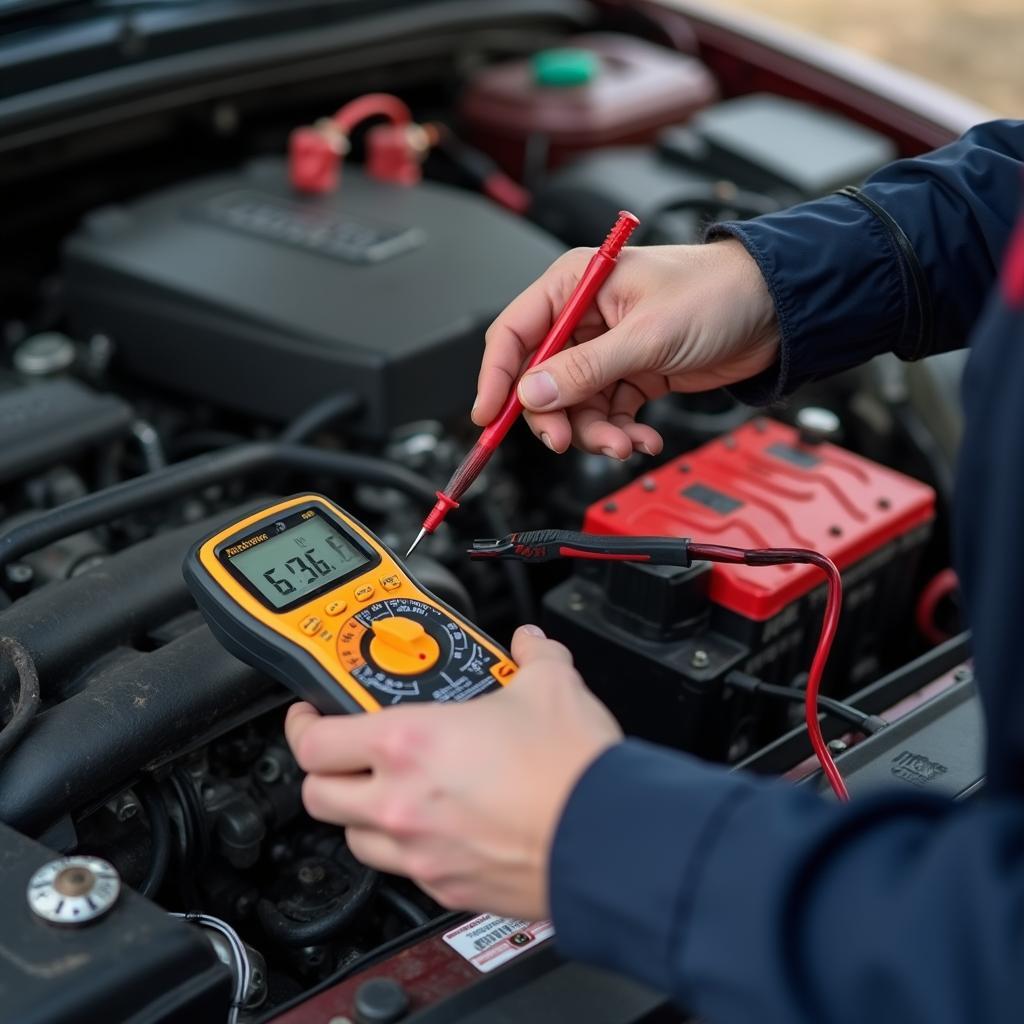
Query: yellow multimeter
(304, 592)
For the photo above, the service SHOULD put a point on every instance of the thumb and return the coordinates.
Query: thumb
(578, 373)
(529, 644)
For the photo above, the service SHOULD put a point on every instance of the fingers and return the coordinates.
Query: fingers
(341, 799)
(299, 718)
(333, 743)
(521, 328)
(582, 371)
(529, 645)
(376, 849)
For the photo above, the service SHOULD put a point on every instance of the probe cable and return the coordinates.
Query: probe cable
(546, 545)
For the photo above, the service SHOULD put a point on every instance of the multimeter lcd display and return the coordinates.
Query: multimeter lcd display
(294, 558)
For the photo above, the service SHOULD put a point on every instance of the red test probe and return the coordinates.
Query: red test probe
(546, 545)
(597, 270)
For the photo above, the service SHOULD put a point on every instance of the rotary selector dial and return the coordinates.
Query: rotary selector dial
(404, 649)
(73, 890)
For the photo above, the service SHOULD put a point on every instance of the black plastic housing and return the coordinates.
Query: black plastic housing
(235, 289)
(135, 963)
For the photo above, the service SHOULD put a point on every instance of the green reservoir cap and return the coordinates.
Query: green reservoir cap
(561, 68)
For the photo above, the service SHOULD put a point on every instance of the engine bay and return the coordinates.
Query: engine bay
(191, 328)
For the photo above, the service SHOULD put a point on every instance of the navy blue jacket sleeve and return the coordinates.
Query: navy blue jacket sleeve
(749, 900)
(843, 289)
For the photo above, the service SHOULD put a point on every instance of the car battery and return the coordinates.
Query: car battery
(655, 643)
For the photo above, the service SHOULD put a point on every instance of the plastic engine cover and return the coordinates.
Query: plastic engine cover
(236, 290)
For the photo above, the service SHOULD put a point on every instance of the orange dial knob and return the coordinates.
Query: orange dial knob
(403, 646)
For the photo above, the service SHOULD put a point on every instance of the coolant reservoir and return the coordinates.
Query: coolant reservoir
(601, 89)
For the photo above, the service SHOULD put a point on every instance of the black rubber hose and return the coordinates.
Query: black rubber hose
(159, 839)
(413, 914)
(68, 625)
(28, 701)
(196, 473)
(290, 932)
(137, 712)
(339, 406)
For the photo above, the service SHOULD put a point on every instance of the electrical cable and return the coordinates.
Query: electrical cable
(829, 625)
(866, 723)
(29, 698)
(194, 474)
(339, 406)
(941, 586)
(546, 545)
(368, 959)
(242, 968)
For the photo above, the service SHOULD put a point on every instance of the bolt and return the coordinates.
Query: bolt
(648, 484)
(610, 506)
(884, 503)
(576, 602)
(835, 531)
(124, 807)
(310, 874)
(268, 769)
(837, 746)
(963, 674)
(684, 467)
(700, 658)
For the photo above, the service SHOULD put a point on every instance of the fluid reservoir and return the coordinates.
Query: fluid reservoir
(601, 89)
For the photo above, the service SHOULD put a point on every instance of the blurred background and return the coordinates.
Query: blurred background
(973, 47)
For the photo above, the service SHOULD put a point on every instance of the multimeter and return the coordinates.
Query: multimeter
(304, 592)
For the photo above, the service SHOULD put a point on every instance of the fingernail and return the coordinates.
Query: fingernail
(646, 449)
(532, 630)
(546, 438)
(537, 390)
(612, 454)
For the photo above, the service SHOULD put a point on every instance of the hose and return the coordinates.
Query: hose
(159, 840)
(196, 473)
(414, 915)
(28, 701)
(334, 407)
(290, 932)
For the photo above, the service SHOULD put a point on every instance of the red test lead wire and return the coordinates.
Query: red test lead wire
(597, 270)
(545, 545)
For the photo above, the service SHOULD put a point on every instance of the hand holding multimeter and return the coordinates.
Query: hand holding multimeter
(304, 592)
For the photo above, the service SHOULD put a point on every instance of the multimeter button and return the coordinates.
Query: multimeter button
(310, 625)
(391, 582)
(364, 593)
(403, 646)
(336, 607)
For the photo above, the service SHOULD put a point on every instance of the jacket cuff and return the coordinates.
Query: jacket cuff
(628, 852)
(839, 285)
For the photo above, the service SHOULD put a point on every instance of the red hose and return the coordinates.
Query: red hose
(829, 625)
(939, 587)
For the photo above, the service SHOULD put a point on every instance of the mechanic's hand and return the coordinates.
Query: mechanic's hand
(464, 799)
(669, 318)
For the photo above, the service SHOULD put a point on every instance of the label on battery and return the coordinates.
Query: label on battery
(488, 941)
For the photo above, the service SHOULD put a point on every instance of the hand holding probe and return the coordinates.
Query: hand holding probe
(597, 270)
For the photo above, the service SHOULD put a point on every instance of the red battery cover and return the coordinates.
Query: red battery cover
(759, 487)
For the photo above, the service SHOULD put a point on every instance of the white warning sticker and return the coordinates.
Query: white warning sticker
(488, 941)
